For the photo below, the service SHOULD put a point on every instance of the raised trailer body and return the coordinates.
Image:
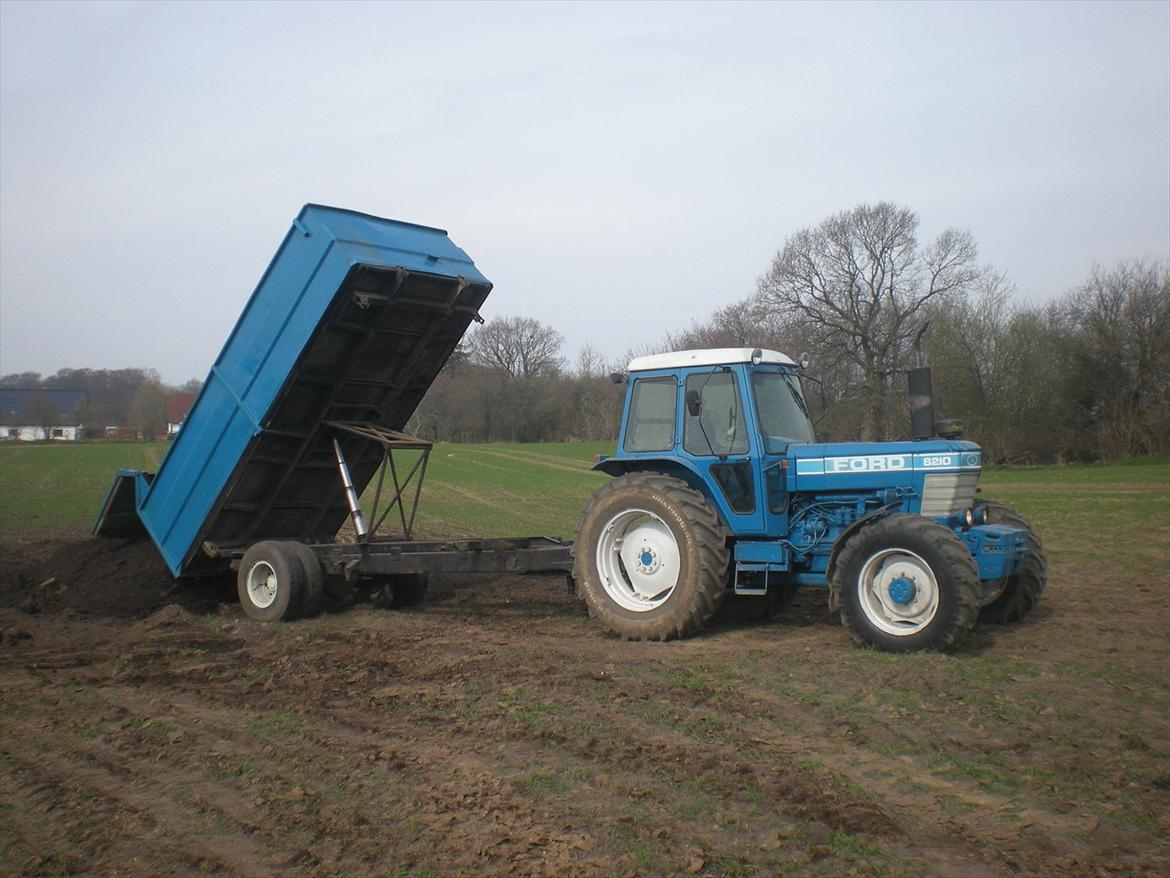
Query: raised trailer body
(345, 332)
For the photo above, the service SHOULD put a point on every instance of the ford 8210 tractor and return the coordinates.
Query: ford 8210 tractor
(722, 493)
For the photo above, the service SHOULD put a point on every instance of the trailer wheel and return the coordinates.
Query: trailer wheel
(1021, 591)
(650, 557)
(313, 593)
(403, 590)
(270, 582)
(907, 583)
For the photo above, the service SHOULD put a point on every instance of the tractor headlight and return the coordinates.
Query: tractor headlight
(970, 517)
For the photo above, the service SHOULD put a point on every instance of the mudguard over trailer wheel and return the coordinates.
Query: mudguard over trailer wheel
(271, 581)
(650, 557)
(1022, 590)
(906, 584)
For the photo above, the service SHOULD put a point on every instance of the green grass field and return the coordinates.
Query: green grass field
(515, 490)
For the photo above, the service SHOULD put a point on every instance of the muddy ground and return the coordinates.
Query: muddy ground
(148, 728)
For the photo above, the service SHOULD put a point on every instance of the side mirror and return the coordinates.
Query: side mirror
(694, 403)
(617, 377)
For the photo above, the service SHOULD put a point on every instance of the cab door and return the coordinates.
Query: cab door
(720, 440)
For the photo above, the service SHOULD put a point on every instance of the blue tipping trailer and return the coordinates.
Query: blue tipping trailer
(347, 328)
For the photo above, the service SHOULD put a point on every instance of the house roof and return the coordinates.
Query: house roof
(18, 405)
(178, 404)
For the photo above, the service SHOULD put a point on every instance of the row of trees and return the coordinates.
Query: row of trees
(1082, 378)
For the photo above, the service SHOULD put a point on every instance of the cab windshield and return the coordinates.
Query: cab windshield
(783, 415)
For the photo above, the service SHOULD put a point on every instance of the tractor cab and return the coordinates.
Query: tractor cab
(723, 420)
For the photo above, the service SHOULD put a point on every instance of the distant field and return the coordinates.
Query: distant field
(481, 490)
(530, 489)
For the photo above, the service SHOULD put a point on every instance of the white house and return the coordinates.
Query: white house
(21, 408)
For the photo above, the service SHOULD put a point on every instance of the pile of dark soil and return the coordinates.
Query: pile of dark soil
(98, 577)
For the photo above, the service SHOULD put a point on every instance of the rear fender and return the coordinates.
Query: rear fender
(667, 466)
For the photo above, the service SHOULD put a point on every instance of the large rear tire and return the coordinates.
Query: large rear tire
(907, 584)
(1022, 590)
(651, 557)
(270, 582)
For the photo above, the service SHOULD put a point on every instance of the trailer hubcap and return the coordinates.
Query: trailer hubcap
(899, 592)
(638, 560)
(262, 584)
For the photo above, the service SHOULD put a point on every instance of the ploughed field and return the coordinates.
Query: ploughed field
(148, 728)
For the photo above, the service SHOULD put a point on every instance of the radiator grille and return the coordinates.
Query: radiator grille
(948, 494)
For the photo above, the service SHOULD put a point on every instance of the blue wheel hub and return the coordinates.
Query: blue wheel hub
(902, 590)
(647, 558)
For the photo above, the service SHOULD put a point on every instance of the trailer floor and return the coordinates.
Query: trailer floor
(151, 730)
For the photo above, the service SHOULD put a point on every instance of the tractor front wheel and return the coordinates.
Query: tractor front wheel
(906, 584)
(651, 557)
(1021, 591)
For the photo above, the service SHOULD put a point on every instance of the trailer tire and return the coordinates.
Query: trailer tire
(907, 584)
(270, 582)
(1022, 590)
(402, 591)
(313, 593)
(678, 554)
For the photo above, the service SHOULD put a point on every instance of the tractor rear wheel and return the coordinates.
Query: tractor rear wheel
(651, 557)
(1022, 590)
(270, 582)
(906, 584)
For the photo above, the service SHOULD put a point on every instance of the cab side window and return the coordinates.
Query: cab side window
(719, 427)
(650, 426)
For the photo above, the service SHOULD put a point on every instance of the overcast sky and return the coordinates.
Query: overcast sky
(617, 170)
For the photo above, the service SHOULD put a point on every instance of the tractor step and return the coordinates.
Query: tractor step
(751, 577)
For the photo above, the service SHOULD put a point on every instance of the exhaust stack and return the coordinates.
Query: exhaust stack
(921, 403)
(920, 394)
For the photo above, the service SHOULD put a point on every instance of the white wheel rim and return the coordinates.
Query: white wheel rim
(898, 592)
(638, 560)
(262, 584)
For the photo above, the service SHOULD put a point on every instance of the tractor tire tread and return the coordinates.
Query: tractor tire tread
(1022, 592)
(711, 548)
(954, 555)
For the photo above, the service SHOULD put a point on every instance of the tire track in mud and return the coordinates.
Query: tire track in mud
(500, 730)
(153, 833)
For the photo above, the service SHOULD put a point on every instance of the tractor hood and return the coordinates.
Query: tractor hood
(842, 466)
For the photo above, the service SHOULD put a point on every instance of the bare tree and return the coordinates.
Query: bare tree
(860, 282)
(591, 362)
(522, 346)
(1119, 351)
(148, 409)
(43, 413)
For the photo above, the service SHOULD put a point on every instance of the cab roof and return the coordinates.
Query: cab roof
(705, 357)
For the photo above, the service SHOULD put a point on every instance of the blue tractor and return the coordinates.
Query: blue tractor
(723, 496)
